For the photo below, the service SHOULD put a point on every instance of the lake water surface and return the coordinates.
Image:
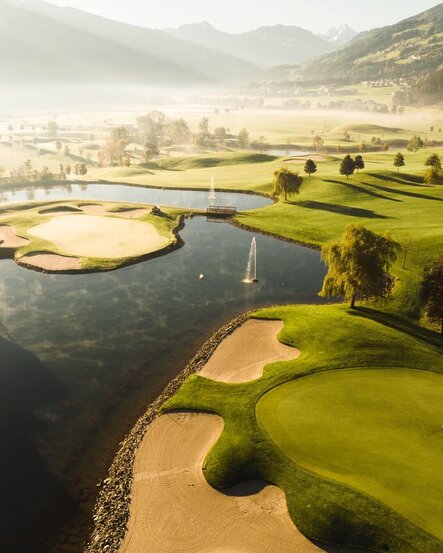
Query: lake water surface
(81, 356)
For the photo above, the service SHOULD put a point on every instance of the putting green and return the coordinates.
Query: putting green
(377, 430)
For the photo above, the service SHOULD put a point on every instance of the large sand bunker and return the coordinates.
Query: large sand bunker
(127, 213)
(174, 509)
(243, 354)
(100, 237)
(50, 262)
(9, 239)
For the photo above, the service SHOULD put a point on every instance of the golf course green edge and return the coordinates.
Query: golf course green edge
(329, 338)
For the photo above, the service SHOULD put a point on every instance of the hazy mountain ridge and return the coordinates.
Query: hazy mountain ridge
(68, 45)
(406, 49)
(266, 46)
(339, 36)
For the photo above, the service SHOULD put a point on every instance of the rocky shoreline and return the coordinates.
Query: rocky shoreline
(111, 511)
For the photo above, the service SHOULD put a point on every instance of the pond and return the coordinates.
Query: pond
(81, 356)
(197, 199)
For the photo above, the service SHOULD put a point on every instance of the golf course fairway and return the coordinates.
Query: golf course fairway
(376, 430)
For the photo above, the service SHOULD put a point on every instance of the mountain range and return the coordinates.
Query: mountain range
(266, 46)
(409, 49)
(44, 43)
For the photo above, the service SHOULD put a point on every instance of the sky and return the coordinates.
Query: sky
(244, 15)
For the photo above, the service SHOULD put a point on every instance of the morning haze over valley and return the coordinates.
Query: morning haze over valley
(221, 277)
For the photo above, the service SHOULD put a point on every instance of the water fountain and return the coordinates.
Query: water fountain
(212, 190)
(251, 268)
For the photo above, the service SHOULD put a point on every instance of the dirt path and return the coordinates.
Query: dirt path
(244, 353)
(174, 510)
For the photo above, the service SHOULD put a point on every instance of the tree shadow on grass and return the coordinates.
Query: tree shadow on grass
(362, 190)
(400, 178)
(33, 502)
(341, 209)
(403, 192)
(398, 323)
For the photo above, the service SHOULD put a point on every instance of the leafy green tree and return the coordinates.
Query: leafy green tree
(362, 147)
(243, 138)
(339, 148)
(310, 167)
(28, 166)
(347, 166)
(68, 170)
(399, 161)
(52, 128)
(359, 265)
(386, 147)
(432, 291)
(286, 182)
(359, 162)
(415, 144)
(434, 161)
(318, 142)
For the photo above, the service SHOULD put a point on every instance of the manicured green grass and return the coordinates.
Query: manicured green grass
(329, 337)
(379, 431)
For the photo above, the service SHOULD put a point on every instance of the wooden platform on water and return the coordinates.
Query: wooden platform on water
(220, 211)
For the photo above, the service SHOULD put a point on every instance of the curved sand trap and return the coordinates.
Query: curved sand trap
(243, 354)
(50, 262)
(100, 237)
(304, 159)
(174, 509)
(96, 209)
(8, 238)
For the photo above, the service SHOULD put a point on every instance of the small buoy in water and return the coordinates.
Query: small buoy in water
(201, 276)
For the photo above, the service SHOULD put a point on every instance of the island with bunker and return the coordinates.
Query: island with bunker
(72, 237)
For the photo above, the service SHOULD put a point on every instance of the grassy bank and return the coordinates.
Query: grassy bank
(330, 510)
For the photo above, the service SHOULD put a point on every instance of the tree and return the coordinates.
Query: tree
(152, 127)
(286, 182)
(434, 161)
(359, 163)
(203, 131)
(150, 150)
(415, 144)
(52, 128)
(399, 161)
(362, 147)
(386, 147)
(432, 291)
(339, 148)
(58, 145)
(220, 133)
(80, 169)
(317, 142)
(68, 170)
(433, 176)
(347, 166)
(179, 131)
(310, 167)
(243, 138)
(28, 166)
(359, 265)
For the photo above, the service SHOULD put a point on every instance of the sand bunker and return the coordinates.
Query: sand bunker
(50, 262)
(100, 237)
(174, 509)
(8, 238)
(96, 209)
(243, 354)
(315, 157)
